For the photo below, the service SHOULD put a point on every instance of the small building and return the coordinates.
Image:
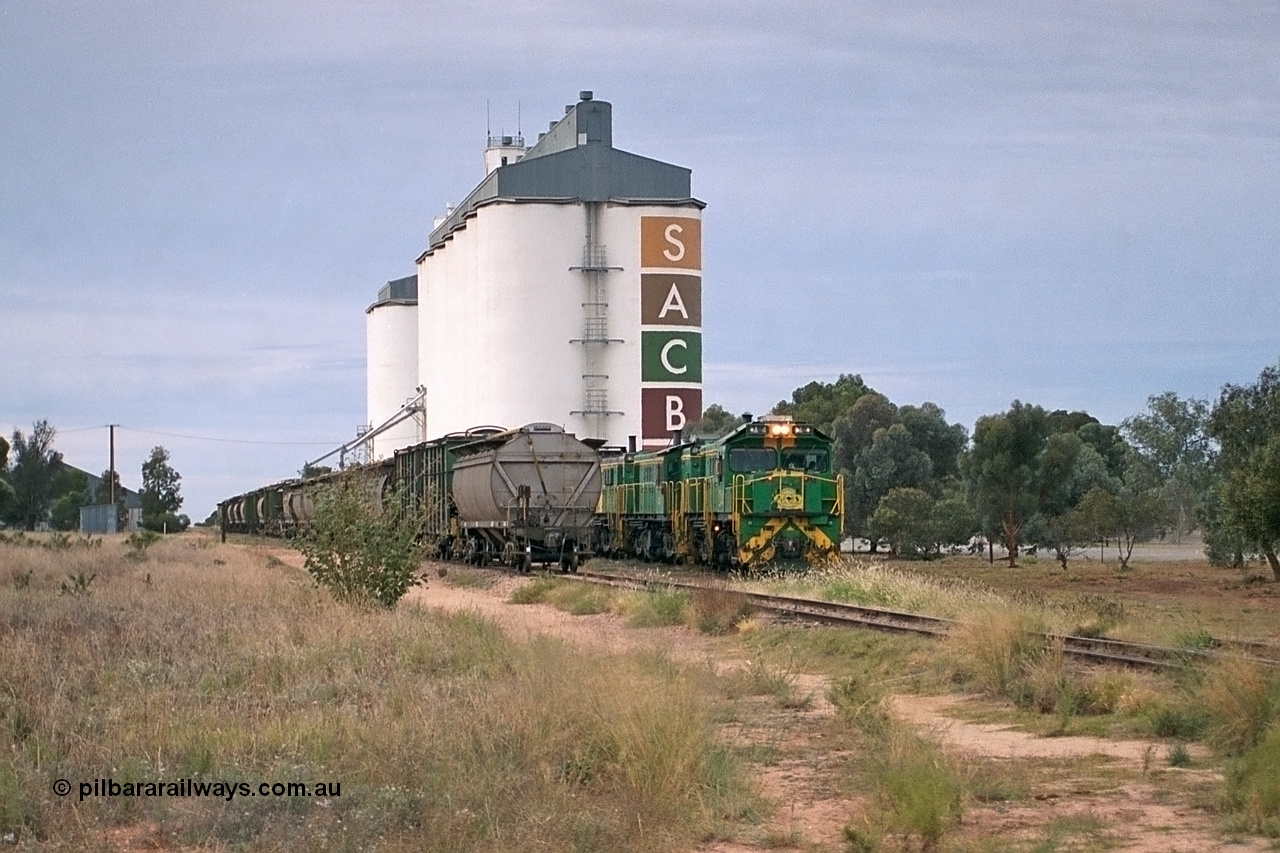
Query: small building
(100, 518)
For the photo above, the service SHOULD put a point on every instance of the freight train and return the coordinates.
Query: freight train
(765, 493)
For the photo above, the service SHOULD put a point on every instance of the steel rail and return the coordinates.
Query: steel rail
(1101, 649)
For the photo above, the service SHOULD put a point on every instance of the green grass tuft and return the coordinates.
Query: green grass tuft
(658, 608)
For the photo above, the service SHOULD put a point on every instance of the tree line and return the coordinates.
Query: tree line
(38, 487)
(1029, 478)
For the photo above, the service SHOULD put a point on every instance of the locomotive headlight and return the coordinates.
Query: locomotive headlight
(780, 429)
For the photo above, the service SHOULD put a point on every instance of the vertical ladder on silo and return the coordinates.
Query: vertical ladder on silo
(595, 326)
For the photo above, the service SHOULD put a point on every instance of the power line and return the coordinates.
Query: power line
(80, 429)
(228, 440)
(61, 431)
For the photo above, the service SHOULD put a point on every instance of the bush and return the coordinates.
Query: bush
(166, 522)
(573, 597)
(140, 540)
(861, 703)
(1178, 721)
(361, 554)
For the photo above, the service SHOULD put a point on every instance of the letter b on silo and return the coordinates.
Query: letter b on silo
(664, 410)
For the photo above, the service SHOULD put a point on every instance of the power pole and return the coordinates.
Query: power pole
(112, 475)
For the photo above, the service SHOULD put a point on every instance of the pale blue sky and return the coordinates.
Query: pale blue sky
(1073, 204)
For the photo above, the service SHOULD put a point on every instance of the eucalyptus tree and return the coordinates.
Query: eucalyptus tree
(1172, 437)
(717, 421)
(880, 447)
(6, 490)
(1013, 470)
(821, 403)
(1246, 424)
(31, 475)
(161, 496)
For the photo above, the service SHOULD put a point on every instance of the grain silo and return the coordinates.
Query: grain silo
(567, 287)
(391, 340)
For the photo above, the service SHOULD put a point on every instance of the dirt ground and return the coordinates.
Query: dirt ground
(1089, 793)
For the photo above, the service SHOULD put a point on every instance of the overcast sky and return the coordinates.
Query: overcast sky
(1073, 204)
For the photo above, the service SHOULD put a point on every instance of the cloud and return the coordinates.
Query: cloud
(1074, 204)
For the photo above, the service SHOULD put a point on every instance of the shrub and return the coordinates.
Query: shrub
(1194, 640)
(77, 585)
(358, 553)
(1104, 693)
(573, 597)
(1041, 683)
(1184, 721)
(140, 540)
(166, 522)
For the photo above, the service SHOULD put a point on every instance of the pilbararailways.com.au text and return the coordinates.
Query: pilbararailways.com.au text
(198, 788)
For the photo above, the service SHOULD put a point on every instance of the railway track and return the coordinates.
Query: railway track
(1101, 650)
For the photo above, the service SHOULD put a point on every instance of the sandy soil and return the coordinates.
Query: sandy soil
(1138, 811)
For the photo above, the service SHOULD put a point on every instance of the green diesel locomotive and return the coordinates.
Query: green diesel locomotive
(765, 493)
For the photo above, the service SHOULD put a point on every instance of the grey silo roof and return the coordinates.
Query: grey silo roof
(399, 291)
(575, 161)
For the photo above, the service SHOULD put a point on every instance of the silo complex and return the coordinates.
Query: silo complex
(566, 288)
(391, 340)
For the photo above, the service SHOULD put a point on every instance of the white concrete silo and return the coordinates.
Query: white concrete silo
(530, 301)
(391, 340)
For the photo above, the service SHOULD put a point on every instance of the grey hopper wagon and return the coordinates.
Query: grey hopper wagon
(527, 496)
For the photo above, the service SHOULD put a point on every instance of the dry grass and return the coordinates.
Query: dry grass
(201, 661)
(712, 610)
(870, 582)
(1000, 649)
(873, 583)
(1242, 700)
(919, 791)
(719, 610)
